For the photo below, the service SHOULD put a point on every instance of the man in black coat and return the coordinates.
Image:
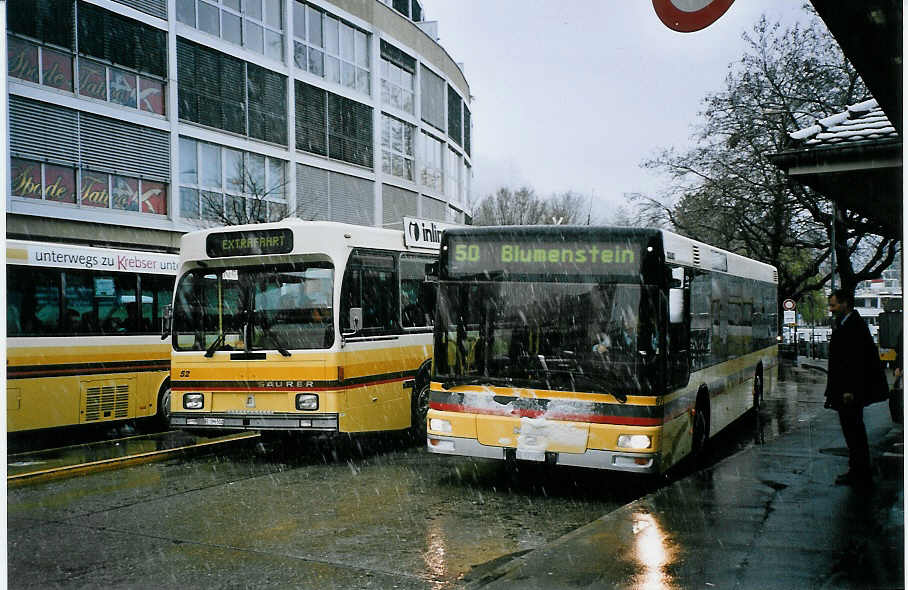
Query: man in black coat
(854, 375)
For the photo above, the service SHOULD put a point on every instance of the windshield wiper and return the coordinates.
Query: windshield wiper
(209, 352)
(600, 384)
(269, 335)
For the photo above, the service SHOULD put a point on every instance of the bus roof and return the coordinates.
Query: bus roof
(322, 237)
(678, 249)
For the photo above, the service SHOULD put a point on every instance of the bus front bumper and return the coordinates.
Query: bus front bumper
(591, 458)
(222, 421)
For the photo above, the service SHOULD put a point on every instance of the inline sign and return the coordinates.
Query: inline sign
(424, 233)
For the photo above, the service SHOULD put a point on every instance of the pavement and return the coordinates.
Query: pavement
(79, 459)
(767, 517)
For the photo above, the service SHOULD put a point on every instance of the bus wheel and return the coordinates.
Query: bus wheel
(758, 390)
(163, 414)
(701, 427)
(419, 410)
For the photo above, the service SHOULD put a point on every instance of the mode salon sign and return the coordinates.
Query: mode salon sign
(424, 233)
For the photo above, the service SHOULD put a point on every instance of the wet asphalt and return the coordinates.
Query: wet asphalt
(767, 517)
(382, 515)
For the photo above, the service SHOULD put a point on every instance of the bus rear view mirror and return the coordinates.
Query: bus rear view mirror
(166, 321)
(432, 272)
(356, 320)
(676, 306)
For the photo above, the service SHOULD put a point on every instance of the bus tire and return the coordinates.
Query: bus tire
(163, 408)
(419, 408)
(700, 436)
(758, 389)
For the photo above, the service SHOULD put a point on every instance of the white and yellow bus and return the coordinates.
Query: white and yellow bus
(612, 348)
(303, 326)
(83, 334)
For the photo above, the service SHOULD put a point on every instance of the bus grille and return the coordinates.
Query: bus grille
(106, 401)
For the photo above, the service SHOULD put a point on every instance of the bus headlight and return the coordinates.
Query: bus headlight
(306, 401)
(439, 425)
(193, 401)
(634, 441)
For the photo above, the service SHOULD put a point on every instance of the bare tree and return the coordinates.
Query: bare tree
(569, 208)
(507, 207)
(524, 207)
(249, 198)
(725, 190)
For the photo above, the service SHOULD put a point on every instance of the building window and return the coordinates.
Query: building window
(397, 155)
(48, 21)
(121, 41)
(95, 189)
(430, 173)
(267, 94)
(257, 25)
(467, 183)
(455, 124)
(398, 78)
(227, 93)
(128, 65)
(403, 7)
(453, 179)
(466, 129)
(36, 180)
(229, 186)
(32, 62)
(311, 119)
(330, 48)
(333, 126)
(432, 89)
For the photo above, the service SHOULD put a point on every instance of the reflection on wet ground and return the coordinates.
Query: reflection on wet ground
(131, 448)
(363, 505)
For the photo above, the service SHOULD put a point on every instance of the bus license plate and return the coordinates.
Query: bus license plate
(530, 455)
(214, 421)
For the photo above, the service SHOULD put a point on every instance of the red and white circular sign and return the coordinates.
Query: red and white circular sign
(687, 16)
(788, 305)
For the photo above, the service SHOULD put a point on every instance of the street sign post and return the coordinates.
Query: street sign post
(687, 16)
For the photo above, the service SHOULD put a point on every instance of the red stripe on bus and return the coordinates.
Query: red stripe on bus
(591, 418)
(176, 387)
(12, 372)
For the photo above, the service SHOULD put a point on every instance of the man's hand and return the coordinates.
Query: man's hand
(847, 398)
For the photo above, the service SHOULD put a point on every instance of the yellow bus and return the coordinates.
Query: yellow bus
(303, 326)
(611, 348)
(83, 334)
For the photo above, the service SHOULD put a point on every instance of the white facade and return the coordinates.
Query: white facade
(149, 118)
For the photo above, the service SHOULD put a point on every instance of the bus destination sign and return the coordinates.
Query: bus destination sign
(473, 255)
(249, 243)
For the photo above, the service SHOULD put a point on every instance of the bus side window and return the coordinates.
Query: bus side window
(682, 347)
(370, 283)
(417, 297)
(157, 292)
(34, 295)
(33, 301)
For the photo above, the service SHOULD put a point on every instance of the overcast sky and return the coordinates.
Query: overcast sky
(575, 94)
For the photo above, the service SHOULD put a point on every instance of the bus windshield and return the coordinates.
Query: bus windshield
(268, 307)
(589, 337)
